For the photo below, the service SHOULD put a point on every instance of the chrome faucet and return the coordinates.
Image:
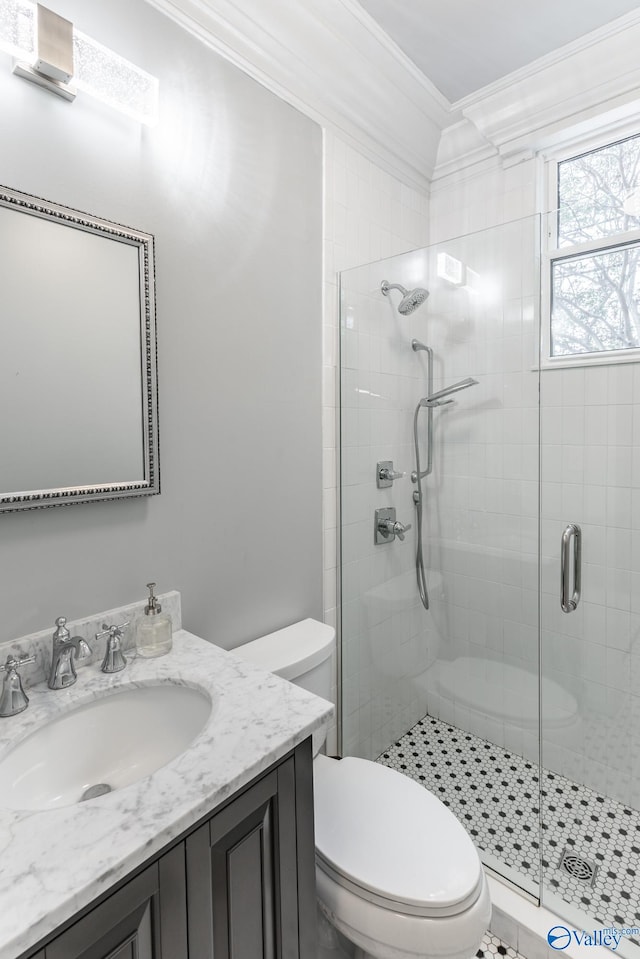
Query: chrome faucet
(66, 649)
(13, 699)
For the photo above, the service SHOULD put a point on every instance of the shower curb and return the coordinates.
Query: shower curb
(524, 926)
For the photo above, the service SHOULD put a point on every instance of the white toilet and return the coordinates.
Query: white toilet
(396, 872)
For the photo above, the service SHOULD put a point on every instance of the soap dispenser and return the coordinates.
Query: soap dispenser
(153, 637)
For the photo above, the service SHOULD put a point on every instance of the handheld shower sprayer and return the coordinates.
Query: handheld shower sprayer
(411, 299)
(440, 398)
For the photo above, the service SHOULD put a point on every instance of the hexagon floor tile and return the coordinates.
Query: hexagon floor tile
(497, 795)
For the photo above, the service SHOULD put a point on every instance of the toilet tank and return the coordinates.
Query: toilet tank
(300, 653)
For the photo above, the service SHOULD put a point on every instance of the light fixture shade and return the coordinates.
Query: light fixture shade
(54, 46)
(109, 77)
(17, 28)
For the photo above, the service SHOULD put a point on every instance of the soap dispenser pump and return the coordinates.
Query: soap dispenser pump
(153, 637)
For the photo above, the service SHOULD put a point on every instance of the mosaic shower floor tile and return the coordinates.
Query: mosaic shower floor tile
(590, 844)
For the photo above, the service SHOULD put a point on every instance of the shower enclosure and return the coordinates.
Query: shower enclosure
(502, 673)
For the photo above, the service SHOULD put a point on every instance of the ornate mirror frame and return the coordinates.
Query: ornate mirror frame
(148, 482)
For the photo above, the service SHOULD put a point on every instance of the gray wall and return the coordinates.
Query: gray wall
(229, 183)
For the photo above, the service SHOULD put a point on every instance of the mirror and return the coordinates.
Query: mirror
(78, 378)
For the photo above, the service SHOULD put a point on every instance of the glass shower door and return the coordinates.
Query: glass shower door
(590, 637)
(447, 694)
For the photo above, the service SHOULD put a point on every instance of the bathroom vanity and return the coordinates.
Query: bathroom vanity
(241, 885)
(211, 854)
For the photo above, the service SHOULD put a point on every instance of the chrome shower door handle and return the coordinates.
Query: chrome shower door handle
(571, 542)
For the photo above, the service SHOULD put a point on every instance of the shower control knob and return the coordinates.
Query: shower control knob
(387, 527)
(385, 474)
(390, 474)
(400, 529)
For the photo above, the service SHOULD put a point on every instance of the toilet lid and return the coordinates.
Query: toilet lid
(383, 833)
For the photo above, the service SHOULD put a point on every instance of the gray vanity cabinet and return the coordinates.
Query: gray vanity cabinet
(250, 872)
(240, 886)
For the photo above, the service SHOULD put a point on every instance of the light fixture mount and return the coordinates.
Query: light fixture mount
(53, 64)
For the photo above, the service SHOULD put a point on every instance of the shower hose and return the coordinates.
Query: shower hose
(417, 499)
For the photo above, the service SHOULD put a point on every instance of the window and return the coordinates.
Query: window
(594, 255)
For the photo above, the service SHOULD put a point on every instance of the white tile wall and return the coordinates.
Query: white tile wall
(466, 203)
(368, 215)
(481, 522)
(385, 640)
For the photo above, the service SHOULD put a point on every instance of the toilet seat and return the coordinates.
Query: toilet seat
(420, 862)
(397, 905)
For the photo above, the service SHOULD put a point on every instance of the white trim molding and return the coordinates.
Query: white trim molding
(330, 60)
(558, 95)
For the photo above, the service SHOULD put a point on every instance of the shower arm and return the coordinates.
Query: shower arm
(427, 471)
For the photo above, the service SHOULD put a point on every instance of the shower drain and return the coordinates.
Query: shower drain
(576, 866)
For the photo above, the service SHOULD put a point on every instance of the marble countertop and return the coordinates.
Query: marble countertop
(55, 862)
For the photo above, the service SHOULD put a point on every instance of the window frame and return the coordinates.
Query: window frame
(552, 253)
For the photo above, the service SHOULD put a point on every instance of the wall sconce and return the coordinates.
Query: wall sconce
(51, 53)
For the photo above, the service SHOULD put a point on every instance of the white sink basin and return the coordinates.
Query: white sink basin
(102, 745)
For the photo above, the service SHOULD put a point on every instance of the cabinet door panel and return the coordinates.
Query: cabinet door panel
(145, 919)
(248, 880)
(130, 949)
(173, 903)
(243, 837)
(124, 922)
(248, 874)
(199, 895)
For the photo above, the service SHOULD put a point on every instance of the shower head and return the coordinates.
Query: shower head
(411, 299)
(440, 398)
(416, 346)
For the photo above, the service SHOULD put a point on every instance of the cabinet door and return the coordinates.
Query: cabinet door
(242, 875)
(146, 919)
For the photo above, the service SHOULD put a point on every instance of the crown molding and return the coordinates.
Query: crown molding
(429, 89)
(463, 152)
(577, 83)
(590, 84)
(333, 62)
(532, 70)
(330, 60)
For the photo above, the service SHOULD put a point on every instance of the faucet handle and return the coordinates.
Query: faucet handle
(385, 474)
(112, 631)
(400, 529)
(13, 699)
(114, 659)
(13, 663)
